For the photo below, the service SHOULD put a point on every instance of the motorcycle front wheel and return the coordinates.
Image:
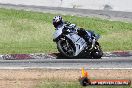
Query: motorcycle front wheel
(66, 47)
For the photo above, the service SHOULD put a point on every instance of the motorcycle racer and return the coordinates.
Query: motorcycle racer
(86, 35)
(73, 41)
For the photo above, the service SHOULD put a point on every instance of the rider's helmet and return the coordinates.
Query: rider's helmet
(57, 20)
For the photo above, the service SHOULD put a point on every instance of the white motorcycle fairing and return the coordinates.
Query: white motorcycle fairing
(79, 42)
(58, 32)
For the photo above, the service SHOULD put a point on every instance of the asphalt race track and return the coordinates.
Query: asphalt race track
(104, 63)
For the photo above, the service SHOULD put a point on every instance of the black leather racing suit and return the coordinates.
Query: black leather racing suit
(80, 31)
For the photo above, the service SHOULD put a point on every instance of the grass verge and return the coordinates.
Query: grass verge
(72, 85)
(31, 32)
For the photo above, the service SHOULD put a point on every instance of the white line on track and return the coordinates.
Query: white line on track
(22, 68)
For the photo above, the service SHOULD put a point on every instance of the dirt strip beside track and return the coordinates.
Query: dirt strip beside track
(30, 78)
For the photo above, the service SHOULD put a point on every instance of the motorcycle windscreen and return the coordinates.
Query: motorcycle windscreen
(79, 42)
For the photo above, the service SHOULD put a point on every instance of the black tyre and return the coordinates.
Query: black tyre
(66, 48)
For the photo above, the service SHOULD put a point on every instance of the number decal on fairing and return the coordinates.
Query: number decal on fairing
(80, 42)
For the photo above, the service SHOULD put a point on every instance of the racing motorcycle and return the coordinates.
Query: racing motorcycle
(71, 45)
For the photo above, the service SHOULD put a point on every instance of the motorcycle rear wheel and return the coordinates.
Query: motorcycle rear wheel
(97, 53)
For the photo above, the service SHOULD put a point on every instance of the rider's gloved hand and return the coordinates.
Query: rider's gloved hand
(67, 23)
(66, 30)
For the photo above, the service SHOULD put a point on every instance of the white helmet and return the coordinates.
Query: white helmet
(57, 20)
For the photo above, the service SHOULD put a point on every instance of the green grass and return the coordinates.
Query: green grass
(72, 85)
(31, 32)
